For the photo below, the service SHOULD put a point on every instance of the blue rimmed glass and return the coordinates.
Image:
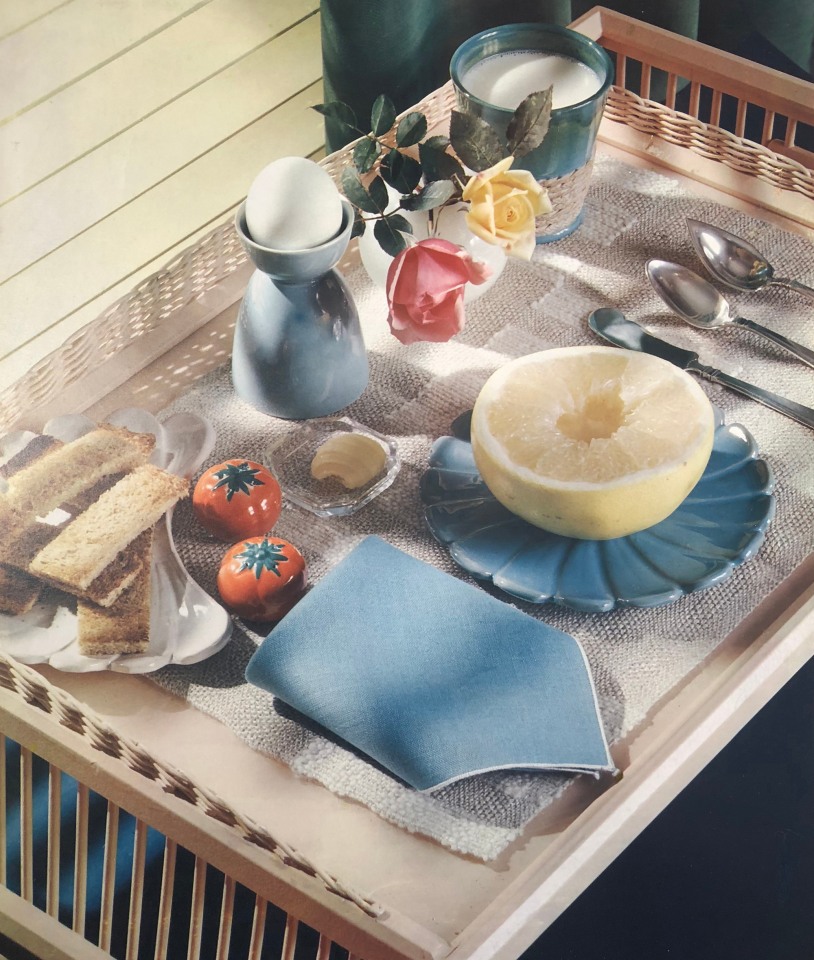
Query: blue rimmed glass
(562, 163)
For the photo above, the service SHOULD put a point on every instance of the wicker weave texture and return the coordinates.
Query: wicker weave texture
(29, 686)
(155, 301)
(714, 143)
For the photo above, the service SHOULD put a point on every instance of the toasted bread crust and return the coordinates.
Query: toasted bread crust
(124, 626)
(37, 447)
(86, 546)
(18, 591)
(64, 471)
(122, 571)
(102, 552)
(36, 535)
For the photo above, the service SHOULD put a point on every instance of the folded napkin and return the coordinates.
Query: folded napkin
(431, 677)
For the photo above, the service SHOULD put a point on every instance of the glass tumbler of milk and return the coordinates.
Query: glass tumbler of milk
(495, 70)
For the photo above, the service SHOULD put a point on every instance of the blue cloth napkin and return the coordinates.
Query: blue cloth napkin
(432, 677)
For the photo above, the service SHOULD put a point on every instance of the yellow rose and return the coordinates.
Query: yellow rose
(503, 204)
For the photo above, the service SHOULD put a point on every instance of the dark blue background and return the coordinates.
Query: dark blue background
(726, 872)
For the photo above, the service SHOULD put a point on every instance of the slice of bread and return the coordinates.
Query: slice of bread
(63, 471)
(115, 578)
(79, 554)
(35, 448)
(122, 571)
(124, 626)
(18, 591)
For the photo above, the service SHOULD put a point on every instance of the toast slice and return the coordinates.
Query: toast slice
(18, 591)
(60, 473)
(123, 626)
(64, 470)
(16, 578)
(82, 550)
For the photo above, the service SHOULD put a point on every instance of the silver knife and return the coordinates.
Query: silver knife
(615, 327)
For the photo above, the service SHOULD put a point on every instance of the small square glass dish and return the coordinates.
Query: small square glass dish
(353, 464)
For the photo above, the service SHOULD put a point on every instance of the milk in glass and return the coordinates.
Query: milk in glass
(505, 79)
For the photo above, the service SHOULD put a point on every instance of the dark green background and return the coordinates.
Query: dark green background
(403, 47)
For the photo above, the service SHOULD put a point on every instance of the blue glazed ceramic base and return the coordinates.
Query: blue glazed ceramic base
(721, 524)
(565, 232)
(298, 349)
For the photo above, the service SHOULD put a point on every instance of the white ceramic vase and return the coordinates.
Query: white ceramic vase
(451, 225)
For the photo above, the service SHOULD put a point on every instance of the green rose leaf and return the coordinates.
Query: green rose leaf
(382, 115)
(412, 129)
(435, 194)
(365, 153)
(436, 163)
(341, 114)
(368, 199)
(529, 125)
(358, 225)
(403, 173)
(378, 193)
(437, 142)
(475, 142)
(390, 238)
(397, 222)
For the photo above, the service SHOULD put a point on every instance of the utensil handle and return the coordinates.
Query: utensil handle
(793, 285)
(790, 408)
(797, 349)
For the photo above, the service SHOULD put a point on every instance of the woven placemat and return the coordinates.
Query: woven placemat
(415, 392)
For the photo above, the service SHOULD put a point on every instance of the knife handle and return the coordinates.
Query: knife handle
(796, 411)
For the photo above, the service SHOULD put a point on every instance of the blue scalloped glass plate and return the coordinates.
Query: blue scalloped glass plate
(721, 524)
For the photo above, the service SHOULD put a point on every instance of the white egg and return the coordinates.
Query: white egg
(293, 204)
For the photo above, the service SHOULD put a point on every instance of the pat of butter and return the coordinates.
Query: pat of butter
(351, 458)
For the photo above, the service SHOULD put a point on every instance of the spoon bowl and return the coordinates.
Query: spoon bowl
(697, 302)
(688, 295)
(735, 262)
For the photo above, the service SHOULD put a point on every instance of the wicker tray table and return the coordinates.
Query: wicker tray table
(364, 884)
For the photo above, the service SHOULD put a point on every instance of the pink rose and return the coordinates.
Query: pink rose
(425, 290)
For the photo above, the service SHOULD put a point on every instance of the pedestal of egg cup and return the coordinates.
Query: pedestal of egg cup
(298, 349)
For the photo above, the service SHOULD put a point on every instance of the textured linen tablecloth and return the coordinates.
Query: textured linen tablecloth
(636, 655)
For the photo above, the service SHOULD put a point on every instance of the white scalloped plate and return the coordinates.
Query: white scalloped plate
(186, 624)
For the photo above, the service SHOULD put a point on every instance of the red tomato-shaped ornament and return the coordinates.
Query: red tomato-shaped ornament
(262, 578)
(237, 498)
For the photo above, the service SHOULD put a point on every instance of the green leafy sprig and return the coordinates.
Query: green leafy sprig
(426, 172)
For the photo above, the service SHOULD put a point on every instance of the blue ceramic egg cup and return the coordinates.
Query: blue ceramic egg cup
(298, 347)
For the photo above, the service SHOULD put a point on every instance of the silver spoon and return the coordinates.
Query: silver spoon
(735, 262)
(695, 300)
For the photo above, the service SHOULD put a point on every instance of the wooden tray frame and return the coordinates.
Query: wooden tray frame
(179, 314)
